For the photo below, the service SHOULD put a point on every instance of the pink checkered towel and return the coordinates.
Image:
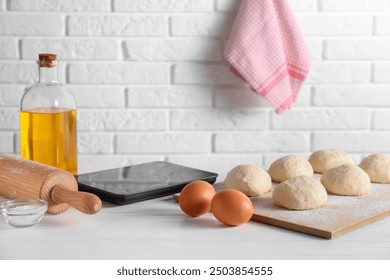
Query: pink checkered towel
(267, 50)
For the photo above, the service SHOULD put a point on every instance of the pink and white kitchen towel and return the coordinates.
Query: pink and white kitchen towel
(267, 50)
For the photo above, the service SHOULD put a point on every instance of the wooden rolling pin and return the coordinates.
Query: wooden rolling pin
(21, 178)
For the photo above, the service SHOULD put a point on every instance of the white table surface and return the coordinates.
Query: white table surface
(157, 229)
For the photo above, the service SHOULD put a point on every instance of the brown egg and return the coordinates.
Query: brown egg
(195, 198)
(232, 207)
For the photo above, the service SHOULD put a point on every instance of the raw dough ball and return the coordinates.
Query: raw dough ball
(300, 193)
(348, 179)
(289, 167)
(249, 179)
(377, 167)
(324, 160)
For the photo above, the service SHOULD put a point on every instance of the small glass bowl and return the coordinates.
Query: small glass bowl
(23, 212)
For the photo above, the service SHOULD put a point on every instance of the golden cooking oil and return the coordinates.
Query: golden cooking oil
(48, 130)
(49, 136)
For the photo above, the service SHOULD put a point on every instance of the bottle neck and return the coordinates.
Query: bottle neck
(48, 75)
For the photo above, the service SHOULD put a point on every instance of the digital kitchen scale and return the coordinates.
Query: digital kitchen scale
(135, 183)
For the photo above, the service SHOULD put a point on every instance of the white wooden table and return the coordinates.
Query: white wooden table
(157, 229)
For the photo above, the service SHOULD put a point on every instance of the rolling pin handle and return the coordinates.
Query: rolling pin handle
(87, 203)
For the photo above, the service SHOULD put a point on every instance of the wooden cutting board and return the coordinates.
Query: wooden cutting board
(341, 214)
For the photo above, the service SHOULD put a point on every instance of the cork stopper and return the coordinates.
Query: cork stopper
(47, 60)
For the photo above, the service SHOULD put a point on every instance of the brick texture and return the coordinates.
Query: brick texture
(262, 142)
(381, 72)
(382, 26)
(170, 97)
(113, 73)
(335, 25)
(32, 24)
(351, 96)
(60, 5)
(73, 49)
(353, 5)
(244, 97)
(10, 95)
(6, 142)
(211, 74)
(98, 97)
(218, 119)
(339, 73)
(94, 143)
(322, 119)
(117, 25)
(361, 49)
(147, 143)
(359, 142)
(9, 118)
(159, 6)
(381, 120)
(8, 48)
(18, 72)
(173, 50)
(121, 120)
(215, 25)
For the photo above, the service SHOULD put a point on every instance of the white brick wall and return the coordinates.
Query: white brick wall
(380, 72)
(213, 25)
(173, 50)
(147, 6)
(9, 119)
(355, 141)
(382, 25)
(121, 120)
(118, 73)
(151, 83)
(154, 143)
(354, 5)
(6, 142)
(336, 25)
(18, 72)
(218, 119)
(322, 119)
(170, 96)
(197, 73)
(357, 49)
(339, 73)
(351, 96)
(60, 5)
(117, 25)
(10, 95)
(262, 142)
(98, 96)
(72, 49)
(32, 24)
(8, 48)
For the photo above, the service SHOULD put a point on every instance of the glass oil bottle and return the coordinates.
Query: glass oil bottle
(48, 130)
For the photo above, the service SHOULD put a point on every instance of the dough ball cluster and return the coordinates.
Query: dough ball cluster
(298, 189)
